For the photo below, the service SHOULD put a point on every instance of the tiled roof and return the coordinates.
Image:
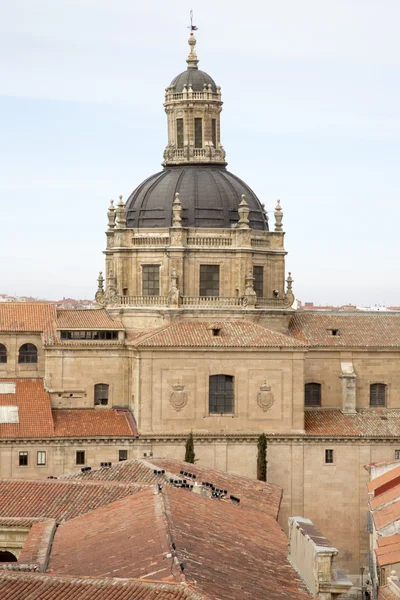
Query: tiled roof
(388, 555)
(134, 531)
(258, 495)
(385, 498)
(236, 334)
(384, 479)
(37, 545)
(96, 318)
(58, 499)
(26, 316)
(91, 422)
(224, 548)
(21, 586)
(381, 423)
(34, 410)
(127, 471)
(386, 515)
(379, 330)
(385, 593)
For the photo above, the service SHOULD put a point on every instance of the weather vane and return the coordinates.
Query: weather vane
(191, 26)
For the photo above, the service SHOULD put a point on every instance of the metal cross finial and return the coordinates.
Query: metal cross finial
(191, 26)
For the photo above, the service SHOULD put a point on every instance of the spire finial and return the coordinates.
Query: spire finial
(192, 59)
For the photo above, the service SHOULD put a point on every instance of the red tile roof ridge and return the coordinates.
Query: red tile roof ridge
(138, 587)
(233, 332)
(78, 482)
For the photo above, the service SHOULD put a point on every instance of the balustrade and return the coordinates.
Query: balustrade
(150, 241)
(209, 241)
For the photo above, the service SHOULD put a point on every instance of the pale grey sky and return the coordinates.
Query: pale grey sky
(311, 116)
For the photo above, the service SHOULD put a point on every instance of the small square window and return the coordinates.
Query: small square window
(23, 459)
(122, 455)
(80, 457)
(41, 458)
(329, 457)
(397, 454)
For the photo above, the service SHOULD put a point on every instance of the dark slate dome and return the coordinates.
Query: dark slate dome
(210, 196)
(193, 78)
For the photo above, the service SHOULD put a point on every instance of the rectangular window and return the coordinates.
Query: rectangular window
(41, 458)
(23, 459)
(209, 280)
(89, 335)
(179, 133)
(397, 454)
(258, 274)
(329, 457)
(122, 455)
(214, 132)
(80, 457)
(150, 280)
(198, 133)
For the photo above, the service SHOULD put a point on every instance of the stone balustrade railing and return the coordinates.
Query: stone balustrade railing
(150, 241)
(209, 241)
(271, 302)
(210, 301)
(142, 300)
(259, 242)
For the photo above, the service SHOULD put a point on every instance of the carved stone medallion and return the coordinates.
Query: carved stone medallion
(265, 397)
(178, 397)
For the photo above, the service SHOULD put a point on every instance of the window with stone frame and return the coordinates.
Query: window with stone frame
(122, 455)
(3, 354)
(221, 394)
(312, 394)
(329, 456)
(377, 394)
(150, 280)
(258, 274)
(101, 394)
(23, 459)
(397, 454)
(41, 458)
(179, 133)
(209, 280)
(27, 354)
(214, 132)
(198, 133)
(80, 457)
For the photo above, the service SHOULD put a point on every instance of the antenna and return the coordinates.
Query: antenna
(191, 26)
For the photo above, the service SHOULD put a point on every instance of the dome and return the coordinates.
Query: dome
(209, 194)
(193, 78)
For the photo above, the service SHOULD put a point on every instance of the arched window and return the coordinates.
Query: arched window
(101, 394)
(312, 394)
(220, 394)
(6, 556)
(377, 394)
(27, 354)
(3, 354)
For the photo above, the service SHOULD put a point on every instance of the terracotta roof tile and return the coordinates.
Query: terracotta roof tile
(26, 316)
(57, 499)
(34, 410)
(96, 318)
(257, 495)
(386, 515)
(388, 555)
(19, 586)
(384, 498)
(386, 594)
(381, 423)
(385, 478)
(134, 531)
(355, 330)
(390, 539)
(37, 545)
(91, 422)
(237, 334)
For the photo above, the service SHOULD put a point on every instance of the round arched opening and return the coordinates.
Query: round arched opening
(7, 557)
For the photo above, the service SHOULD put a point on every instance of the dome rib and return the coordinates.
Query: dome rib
(193, 78)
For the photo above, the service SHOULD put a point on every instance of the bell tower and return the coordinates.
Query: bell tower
(193, 105)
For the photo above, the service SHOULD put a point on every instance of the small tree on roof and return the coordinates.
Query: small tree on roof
(189, 450)
(262, 458)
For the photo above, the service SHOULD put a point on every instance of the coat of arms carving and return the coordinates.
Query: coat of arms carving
(265, 397)
(178, 397)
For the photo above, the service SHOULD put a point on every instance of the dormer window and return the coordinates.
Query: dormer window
(335, 332)
(216, 331)
(88, 335)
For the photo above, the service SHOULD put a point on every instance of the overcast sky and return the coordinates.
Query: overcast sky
(311, 115)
